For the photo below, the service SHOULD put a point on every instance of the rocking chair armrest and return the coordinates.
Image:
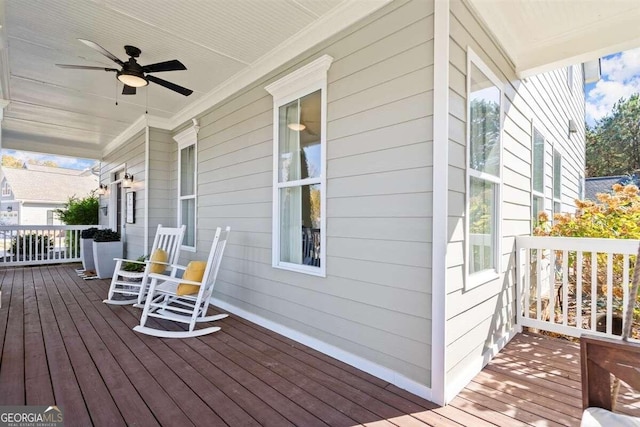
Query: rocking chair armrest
(129, 260)
(173, 279)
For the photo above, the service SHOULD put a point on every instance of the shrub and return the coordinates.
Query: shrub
(106, 235)
(80, 211)
(31, 244)
(614, 216)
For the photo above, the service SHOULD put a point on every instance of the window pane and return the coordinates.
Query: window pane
(484, 111)
(557, 207)
(187, 214)
(536, 207)
(187, 170)
(482, 227)
(300, 225)
(538, 161)
(299, 139)
(557, 175)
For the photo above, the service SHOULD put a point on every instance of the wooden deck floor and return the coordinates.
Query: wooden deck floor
(59, 343)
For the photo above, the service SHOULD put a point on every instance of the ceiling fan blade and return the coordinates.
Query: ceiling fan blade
(181, 90)
(173, 65)
(128, 90)
(84, 67)
(102, 50)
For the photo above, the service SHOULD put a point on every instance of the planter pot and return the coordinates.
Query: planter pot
(103, 257)
(86, 254)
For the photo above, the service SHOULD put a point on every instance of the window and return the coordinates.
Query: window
(187, 184)
(557, 182)
(484, 168)
(6, 189)
(299, 219)
(537, 175)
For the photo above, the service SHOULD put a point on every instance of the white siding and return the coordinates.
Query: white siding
(130, 153)
(375, 301)
(162, 179)
(479, 318)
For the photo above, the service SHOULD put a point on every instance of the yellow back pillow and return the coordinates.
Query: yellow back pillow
(194, 272)
(159, 255)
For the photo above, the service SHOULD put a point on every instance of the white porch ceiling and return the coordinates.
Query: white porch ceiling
(225, 43)
(64, 111)
(542, 35)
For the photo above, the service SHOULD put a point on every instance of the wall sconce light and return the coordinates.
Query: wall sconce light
(102, 190)
(127, 180)
(573, 128)
(105, 210)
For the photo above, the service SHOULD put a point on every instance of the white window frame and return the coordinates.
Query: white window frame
(112, 210)
(6, 189)
(185, 139)
(304, 81)
(534, 192)
(481, 277)
(553, 186)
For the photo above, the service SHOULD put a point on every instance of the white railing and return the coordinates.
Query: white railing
(40, 244)
(574, 285)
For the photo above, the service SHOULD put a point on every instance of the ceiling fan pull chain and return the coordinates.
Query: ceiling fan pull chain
(146, 102)
(116, 92)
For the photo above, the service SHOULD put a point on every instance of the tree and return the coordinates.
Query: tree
(11, 162)
(613, 144)
(80, 211)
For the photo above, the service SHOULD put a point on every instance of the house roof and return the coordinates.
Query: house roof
(47, 184)
(600, 184)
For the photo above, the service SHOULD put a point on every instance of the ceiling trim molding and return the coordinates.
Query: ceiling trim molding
(188, 136)
(341, 17)
(144, 121)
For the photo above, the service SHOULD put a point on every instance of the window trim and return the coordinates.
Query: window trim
(534, 192)
(484, 276)
(6, 189)
(553, 187)
(185, 139)
(304, 81)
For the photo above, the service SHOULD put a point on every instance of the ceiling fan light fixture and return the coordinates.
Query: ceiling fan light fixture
(298, 127)
(132, 80)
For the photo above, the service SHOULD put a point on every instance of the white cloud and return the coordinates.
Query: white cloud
(620, 79)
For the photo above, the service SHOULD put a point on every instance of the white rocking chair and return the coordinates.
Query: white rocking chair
(133, 283)
(163, 301)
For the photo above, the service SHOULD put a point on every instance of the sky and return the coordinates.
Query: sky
(61, 161)
(620, 79)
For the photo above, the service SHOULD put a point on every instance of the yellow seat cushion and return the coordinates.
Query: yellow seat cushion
(194, 272)
(159, 255)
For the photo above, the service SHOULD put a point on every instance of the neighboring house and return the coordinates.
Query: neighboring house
(31, 194)
(374, 186)
(604, 184)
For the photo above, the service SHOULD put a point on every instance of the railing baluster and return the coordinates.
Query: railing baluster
(609, 292)
(594, 289)
(579, 290)
(527, 283)
(539, 285)
(552, 286)
(625, 285)
(565, 286)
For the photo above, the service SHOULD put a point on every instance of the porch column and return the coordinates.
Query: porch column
(440, 199)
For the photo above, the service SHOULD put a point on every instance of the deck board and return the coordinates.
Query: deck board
(60, 344)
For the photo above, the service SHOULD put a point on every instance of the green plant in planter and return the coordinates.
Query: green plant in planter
(88, 233)
(106, 235)
(135, 266)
